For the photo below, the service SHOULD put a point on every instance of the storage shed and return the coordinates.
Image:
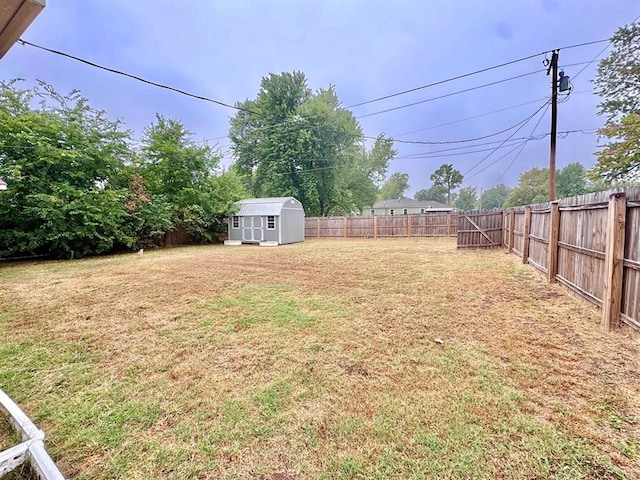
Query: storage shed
(267, 221)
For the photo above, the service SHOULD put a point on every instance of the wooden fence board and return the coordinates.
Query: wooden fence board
(480, 229)
(432, 224)
(539, 238)
(582, 266)
(579, 256)
(631, 275)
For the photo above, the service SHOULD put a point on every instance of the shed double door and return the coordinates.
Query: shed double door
(252, 229)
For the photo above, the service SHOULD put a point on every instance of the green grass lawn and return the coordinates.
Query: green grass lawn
(386, 359)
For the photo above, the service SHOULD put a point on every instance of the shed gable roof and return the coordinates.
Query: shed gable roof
(265, 206)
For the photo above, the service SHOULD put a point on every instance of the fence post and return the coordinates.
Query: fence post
(344, 227)
(448, 224)
(375, 227)
(512, 222)
(504, 228)
(554, 233)
(408, 225)
(614, 262)
(527, 231)
(318, 225)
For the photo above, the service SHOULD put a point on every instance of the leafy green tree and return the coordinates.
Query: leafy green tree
(435, 193)
(533, 186)
(467, 199)
(571, 180)
(395, 187)
(61, 161)
(448, 178)
(494, 197)
(180, 185)
(292, 141)
(361, 176)
(618, 82)
(619, 159)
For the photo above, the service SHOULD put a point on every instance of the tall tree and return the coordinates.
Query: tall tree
(62, 161)
(395, 187)
(362, 175)
(618, 82)
(571, 180)
(292, 141)
(435, 193)
(467, 199)
(533, 186)
(448, 178)
(183, 182)
(494, 197)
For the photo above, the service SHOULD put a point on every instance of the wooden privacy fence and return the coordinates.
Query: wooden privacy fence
(480, 229)
(32, 447)
(435, 224)
(589, 243)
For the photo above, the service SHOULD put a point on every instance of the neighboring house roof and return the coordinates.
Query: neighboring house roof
(410, 203)
(265, 206)
(3, 185)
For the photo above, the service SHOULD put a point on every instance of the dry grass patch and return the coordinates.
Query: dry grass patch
(317, 360)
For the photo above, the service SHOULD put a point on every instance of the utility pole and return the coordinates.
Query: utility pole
(553, 69)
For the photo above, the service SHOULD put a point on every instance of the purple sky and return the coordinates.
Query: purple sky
(366, 48)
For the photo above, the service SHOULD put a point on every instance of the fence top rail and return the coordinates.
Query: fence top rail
(595, 198)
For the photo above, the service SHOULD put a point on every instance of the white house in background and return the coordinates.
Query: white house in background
(405, 206)
(3, 185)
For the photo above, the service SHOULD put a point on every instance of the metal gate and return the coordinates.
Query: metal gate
(480, 230)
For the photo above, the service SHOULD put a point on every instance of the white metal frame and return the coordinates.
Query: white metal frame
(32, 447)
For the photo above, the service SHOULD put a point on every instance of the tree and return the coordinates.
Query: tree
(395, 187)
(362, 175)
(467, 199)
(290, 140)
(571, 180)
(533, 186)
(62, 162)
(448, 178)
(494, 197)
(183, 186)
(618, 82)
(435, 193)
(619, 159)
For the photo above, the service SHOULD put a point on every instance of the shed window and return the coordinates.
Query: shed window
(405, 211)
(422, 210)
(271, 222)
(235, 222)
(391, 212)
(373, 212)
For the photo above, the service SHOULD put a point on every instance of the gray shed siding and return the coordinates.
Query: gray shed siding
(253, 221)
(291, 225)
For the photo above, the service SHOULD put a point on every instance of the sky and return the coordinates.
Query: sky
(367, 49)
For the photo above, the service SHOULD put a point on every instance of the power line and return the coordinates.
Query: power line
(507, 139)
(458, 77)
(441, 155)
(449, 94)
(480, 115)
(135, 77)
(517, 154)
(444, 142)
